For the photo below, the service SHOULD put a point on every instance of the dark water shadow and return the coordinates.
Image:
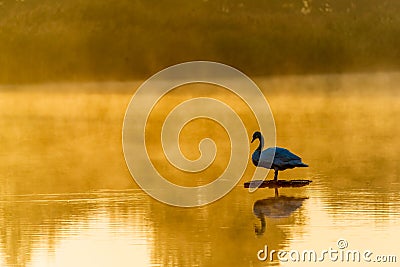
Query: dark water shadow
(275, 207)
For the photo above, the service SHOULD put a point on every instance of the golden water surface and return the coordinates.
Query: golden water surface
(67, 198)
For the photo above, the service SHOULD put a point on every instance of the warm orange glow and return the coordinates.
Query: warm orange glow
(67, 198)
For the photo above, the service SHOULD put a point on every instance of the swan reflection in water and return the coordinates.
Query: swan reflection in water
(275, 207)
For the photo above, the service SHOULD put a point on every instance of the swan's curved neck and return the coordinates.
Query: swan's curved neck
(260, 147)
(261, 230)
(257, 153)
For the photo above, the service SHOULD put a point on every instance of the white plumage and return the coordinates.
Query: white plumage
(282, 160)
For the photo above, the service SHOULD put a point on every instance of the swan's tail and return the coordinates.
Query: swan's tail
(302, 165)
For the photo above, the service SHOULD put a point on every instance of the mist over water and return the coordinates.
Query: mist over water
(327, 68)
(67, 198)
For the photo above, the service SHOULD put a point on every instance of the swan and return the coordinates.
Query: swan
(275, 208)
(283, 159)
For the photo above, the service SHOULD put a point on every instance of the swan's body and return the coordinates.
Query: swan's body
(275, 208)
(282, 160)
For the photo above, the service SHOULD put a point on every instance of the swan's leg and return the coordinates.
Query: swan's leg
(276, 175)
(276, 192)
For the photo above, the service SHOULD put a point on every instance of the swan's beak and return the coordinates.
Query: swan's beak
(253, 139)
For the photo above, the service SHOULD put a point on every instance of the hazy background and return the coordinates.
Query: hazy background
(68, 69)
(44, 40)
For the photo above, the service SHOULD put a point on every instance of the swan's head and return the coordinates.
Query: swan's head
(256, 135)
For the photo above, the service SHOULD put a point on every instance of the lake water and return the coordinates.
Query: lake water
(67, 198)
